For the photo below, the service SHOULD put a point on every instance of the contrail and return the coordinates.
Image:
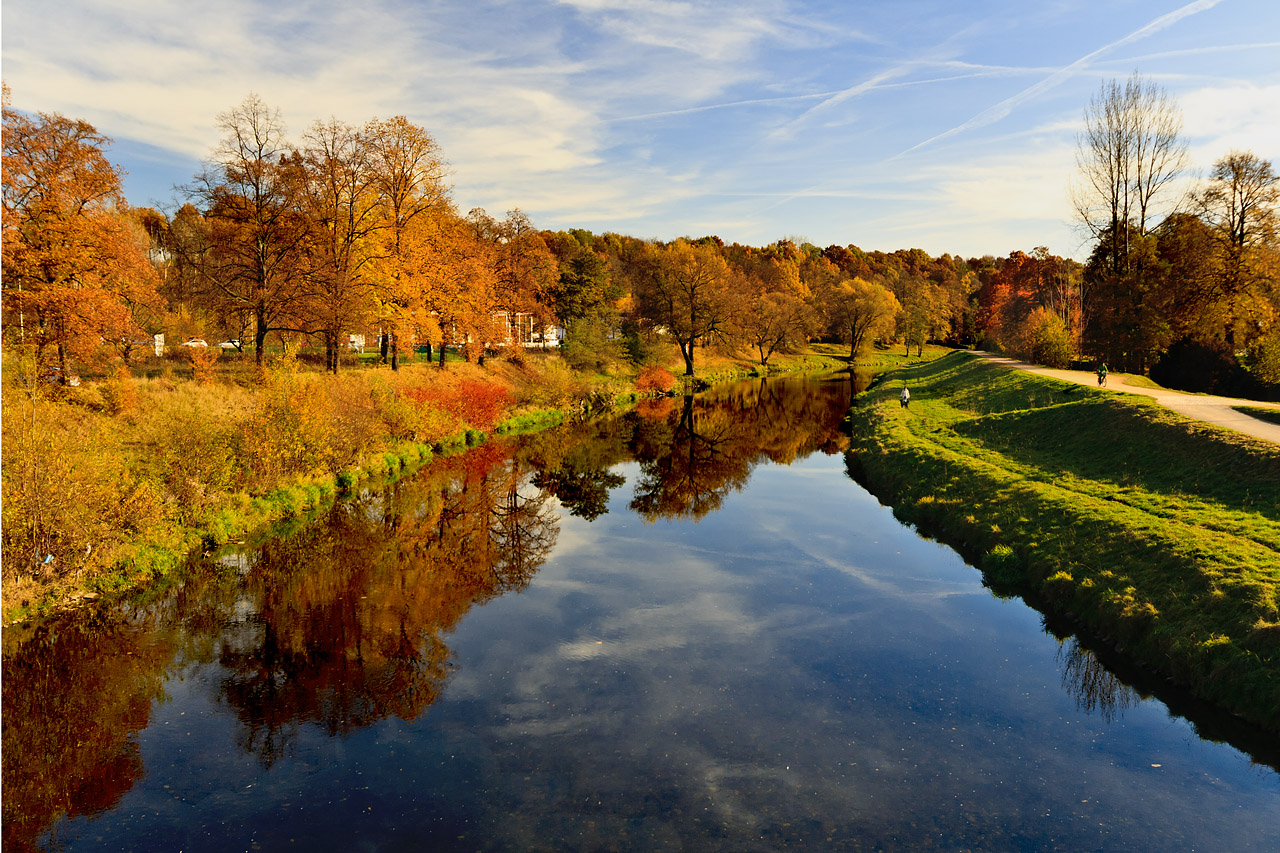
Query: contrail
(1002, 109)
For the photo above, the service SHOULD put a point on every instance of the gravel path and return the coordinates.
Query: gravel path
(1203, 407)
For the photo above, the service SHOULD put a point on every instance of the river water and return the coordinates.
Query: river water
(684, 628)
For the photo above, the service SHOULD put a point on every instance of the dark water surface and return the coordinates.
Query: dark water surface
(687, 628)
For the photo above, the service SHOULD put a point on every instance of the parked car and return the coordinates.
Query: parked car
(195, 342)
(229, 345)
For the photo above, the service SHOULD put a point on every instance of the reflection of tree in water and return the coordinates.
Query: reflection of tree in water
(691, 475)
(585, 493)
(692, 451)
(692, 460)
(573, 463)
(344, 622)
(1094, 687)
(351, 615)
(75, 694)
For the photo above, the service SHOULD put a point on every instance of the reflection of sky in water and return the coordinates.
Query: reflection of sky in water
(794, 669)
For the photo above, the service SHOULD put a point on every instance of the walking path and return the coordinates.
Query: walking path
(1203, 407)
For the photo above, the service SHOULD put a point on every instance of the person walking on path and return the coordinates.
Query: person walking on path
(905, 397)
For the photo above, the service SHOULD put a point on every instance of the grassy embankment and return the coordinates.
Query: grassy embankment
(110, 485)
(1269, 415)
(1157, 532)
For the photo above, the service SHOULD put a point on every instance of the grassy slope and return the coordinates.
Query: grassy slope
(1156, 531)
(1269, 415)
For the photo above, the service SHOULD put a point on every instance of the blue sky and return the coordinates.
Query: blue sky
(939, 124)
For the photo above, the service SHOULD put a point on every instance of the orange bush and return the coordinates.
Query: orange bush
(470, 402)
(654, 378)
(202, 361)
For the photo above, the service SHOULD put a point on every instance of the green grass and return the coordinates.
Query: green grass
(1158, 532)
(530, 422)
(1269, 415)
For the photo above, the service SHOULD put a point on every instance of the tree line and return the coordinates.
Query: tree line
(1183, 276)
(353, 230)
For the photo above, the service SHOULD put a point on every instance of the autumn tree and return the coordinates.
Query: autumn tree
(253, 252)
(462, 282)
(1128, 325)
(1128, 155)
(772, 312)
(686, 292)
(1239, 206)
(340, 203)
(76, 272)
(408, 174)
(1013, 287)
(859, 311)
(526, 277)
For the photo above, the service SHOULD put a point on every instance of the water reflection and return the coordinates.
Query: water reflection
(335, 625)
(76, 692)
(692, 458)
(350, 615)
(1096, 689)
(338, 624)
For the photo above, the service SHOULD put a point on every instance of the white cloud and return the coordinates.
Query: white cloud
(662, 116)
(1220, 118)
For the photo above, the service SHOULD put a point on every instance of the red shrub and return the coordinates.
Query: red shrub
(653, 377)
(474, 403)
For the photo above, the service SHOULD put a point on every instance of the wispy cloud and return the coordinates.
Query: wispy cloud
(1008, 105)
(843, 94)
(746, 118)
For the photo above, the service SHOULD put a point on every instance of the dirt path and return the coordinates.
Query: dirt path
(1203, 407)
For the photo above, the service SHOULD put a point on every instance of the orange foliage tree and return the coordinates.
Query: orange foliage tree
(75, 265)
(407, 174)
(251, 244)
(685, 290)
(342, 208)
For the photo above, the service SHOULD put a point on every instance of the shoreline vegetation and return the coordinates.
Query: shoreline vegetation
(121, 480)
(1101, 509)
(1158, 534)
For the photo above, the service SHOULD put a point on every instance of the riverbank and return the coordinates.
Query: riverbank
(109, 486)
(1158, 533)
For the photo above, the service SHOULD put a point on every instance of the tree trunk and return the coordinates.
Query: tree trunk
(260, 337)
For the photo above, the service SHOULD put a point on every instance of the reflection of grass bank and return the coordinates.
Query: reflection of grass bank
(1158, 532)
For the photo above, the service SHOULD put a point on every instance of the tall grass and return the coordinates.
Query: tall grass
(1157, 531)
(111, 484)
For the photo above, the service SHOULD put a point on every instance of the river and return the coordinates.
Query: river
(684, 628)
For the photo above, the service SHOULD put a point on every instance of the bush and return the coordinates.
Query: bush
(654, 378)
(119, 396)
(556, 386)
(467, 402)
(202, 361)
(1264, 358)
(70, 501)
(589, 344)
(1043, 338)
